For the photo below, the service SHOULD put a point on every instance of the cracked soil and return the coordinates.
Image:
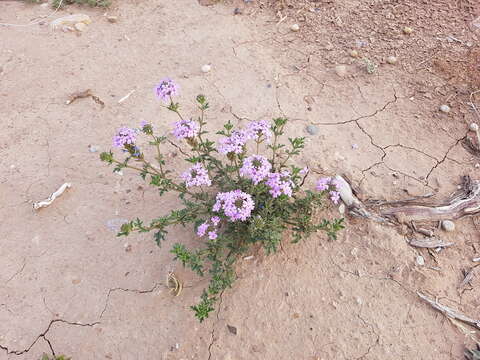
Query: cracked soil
(69, 286)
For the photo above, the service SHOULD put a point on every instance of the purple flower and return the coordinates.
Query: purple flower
(212, 235)
(215, 220)
(256, 168)
(143, 123)
(202, 229)
(125, 136)
(236, 204)
(186, 129)
(234, 143)
(166, 89)
(334, 196)
(197, 175)
(280, 183)
(323, 183)
(259, 129)
(336, 183)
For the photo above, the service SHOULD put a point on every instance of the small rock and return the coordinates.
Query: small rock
(473, 127)
(477, 165)
(128, 247)
(92, 148)
(341, 209)
(392, 60)
(407, 30)
(80, 26)
(354, 146)
(359, 301)
(354, 252)
(341, 70)
(76, 281)
(232, 329)
(237, 11)
(444, 108)
(448, 225)
(312, 129)
(295, 27)
(354, 53)
(420, 260)
(206, 68)
(112, 19)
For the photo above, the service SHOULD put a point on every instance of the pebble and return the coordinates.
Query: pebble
(206, 68)
(354, 146)
(392, 60)
(312, 129)
(295, 27)
(341, 70)
(341, 209)
(359, 301)
(448, 225)
(237, 11)
(354, 53)
(477, 165)
(473, 127)
(112, 19)
(80, 26)
(444, 108)
(407, 30)
(92, 148)
(420, 260)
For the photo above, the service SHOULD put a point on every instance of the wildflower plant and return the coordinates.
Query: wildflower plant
(241, 190)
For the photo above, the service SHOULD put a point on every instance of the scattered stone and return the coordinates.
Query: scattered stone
(354, 252)
(341, 209)
(237, 11)
(341, 70)
(295, 27)
(112, 19)
(407, 30)
(80, 26)
(206, 68)
(473, 127)
(70, 20)
(477, 165)
(92, 148)
(354, 53)
(354, 146)
(448, 225)
(128, 247)
(359, 301)
(76, 281)
(312, 129)
(444, 108)
(420, 260)
(392, 60)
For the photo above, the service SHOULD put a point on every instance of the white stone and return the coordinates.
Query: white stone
(407, 30)
(206, 68)
(295, 27)
(341, 209)
(392, 60)
(420, 260)
(448, 225)
(341, 70)
(444, 108)
(354, 53)
(473, 127)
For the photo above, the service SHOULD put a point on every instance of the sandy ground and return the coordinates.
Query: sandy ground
(69, 285)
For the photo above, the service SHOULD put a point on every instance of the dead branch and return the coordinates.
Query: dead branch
(449, 312)
(429, 243)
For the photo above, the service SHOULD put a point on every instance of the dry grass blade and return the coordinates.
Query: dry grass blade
(174, 284)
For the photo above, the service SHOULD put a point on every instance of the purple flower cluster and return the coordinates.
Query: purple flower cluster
(234, 143)
(256, 168)
(259, 129)
(197, 175)
(280, 183)
(186, 129)
(235, 204)
(330, 185)
(124, 136)
(209, 227)
(166, 89)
